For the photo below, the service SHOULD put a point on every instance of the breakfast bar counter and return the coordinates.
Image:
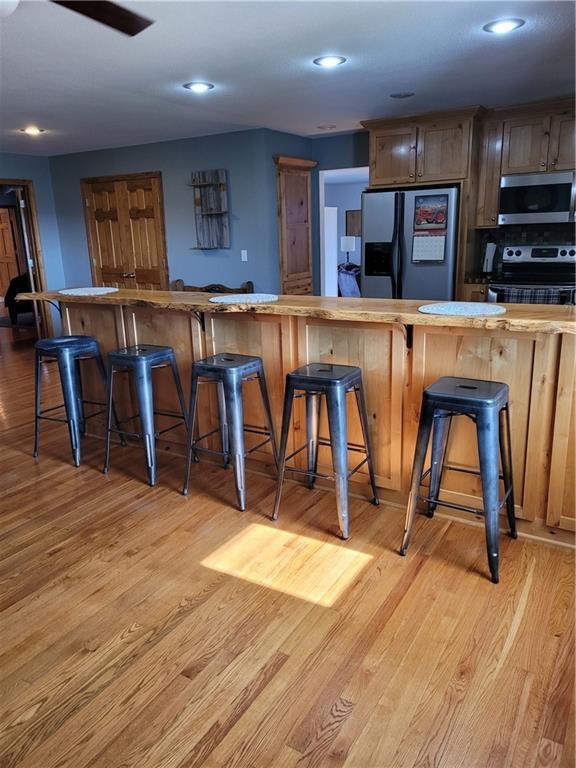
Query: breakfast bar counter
(400, 351)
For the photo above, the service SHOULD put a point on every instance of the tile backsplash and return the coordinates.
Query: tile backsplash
(529, 234)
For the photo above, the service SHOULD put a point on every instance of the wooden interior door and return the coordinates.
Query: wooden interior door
(294, 224)
(9, 266)
(125, 227)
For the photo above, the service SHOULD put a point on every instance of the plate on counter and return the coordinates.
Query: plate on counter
(463, 309)
(244, 298)
(94, 290)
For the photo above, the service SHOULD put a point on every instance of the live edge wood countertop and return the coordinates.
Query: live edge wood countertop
(518, 317)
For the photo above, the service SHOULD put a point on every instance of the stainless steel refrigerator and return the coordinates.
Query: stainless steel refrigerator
(409, 241)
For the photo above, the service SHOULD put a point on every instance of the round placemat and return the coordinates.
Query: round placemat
(244, 298)
(92, 291)
(463, 309)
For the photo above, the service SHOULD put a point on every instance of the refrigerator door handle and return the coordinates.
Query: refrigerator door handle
(399, 223)
(395, 232)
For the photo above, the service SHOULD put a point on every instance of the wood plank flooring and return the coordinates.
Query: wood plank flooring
(142, 629)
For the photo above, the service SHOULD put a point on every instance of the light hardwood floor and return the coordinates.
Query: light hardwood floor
(143, 629)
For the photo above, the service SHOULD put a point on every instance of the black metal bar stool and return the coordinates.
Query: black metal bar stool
(486, 403)
(333, 382)
(68, 351)
(229, 371)
(141, 361)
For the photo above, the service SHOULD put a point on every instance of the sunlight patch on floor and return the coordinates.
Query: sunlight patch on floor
(312, 570)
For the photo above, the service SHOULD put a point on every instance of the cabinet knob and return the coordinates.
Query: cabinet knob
(419, 173)
(554, 162)
(543, 165)
(493, 218)
(411, 175)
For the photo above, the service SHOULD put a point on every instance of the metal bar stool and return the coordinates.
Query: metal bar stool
(229, 371)
(486, 403)
(333, 382)
(141, 361)
(68, 351)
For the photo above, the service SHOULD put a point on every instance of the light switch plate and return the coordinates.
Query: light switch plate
(244, 255)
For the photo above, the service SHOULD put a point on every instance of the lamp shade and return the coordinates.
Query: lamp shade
(347, 243)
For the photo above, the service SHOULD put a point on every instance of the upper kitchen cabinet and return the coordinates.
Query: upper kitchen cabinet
(561, 150)
(525, 145)
(489, 175)
(443, 150)
(423, 148)
(393, 155)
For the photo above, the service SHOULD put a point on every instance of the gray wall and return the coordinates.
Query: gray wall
(248, 158)
(37, 170)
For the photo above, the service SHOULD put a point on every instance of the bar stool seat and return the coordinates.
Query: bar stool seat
(334, 382)
(486, 403)
(68, 351)
(140, 361)
(229, 371)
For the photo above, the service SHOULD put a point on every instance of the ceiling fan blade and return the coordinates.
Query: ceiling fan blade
(110, 14)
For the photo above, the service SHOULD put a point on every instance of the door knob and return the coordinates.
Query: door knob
(129, 274)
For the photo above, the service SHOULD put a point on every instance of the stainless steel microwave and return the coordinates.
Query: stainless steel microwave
(537, 198)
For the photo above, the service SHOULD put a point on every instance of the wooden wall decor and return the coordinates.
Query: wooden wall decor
(354, 223)
(294, 224)
(211, 209)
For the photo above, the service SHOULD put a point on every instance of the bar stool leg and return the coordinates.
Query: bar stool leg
(506, 459)
(224, 429)
(286, 418)
(69, 382)
(105, 380)
(424, 429)
(440, 432)
(109, 407)
(235, 413)
(145, 397)
(37, 398)
(190, 436)
(363, 413)
(313, 404)
(336, 404)
(488, 449)
(268, 414)
(80, 398)
(179, 392)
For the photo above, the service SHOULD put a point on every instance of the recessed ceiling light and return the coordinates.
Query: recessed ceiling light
(502, 26)
(32, 130)
(329, 127)
(198, 87)
(401, 94)
(329, 62)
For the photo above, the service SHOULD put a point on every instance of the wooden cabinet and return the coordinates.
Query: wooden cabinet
(294, 224)
(561, 149)
(393, 155)
(422, 149)
(525, 145)
(538, 143)
(443, 150)
(473, 292)
(489, 175)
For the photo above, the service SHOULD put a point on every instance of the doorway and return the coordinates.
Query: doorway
(125, 229)
(21, 260)
(340, 192)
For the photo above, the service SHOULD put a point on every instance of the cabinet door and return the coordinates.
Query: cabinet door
(393, 155)
(443, 150)
(294, 224)
(473, 292)
(561, 152)
(489, 180)
(525, 145)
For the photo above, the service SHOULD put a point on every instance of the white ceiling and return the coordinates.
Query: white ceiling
(92, 87)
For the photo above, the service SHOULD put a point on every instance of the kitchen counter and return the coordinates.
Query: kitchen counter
(518, 317)
(400, 351)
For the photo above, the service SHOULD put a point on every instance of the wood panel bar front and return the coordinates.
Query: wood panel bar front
(398, 360)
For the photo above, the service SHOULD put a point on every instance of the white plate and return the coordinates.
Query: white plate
(463, 309)
(92, 291)
(244, 298)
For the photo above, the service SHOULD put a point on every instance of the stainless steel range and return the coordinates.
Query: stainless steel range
(535, 274)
